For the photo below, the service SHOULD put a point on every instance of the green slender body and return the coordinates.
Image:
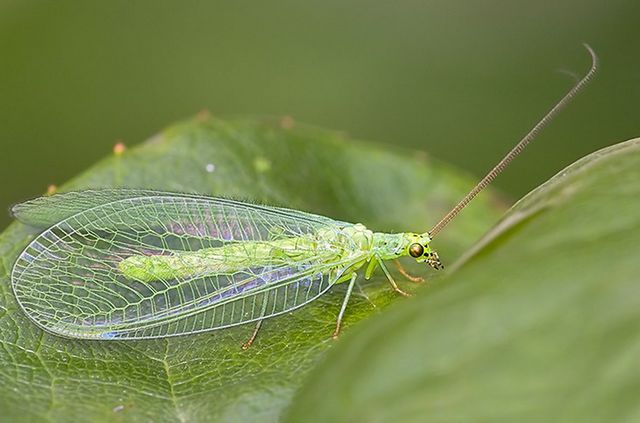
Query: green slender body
(234, 257)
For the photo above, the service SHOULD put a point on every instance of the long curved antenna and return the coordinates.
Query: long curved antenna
(520, 146)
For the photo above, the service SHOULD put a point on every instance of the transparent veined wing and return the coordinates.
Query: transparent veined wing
(69, 282)
(47, 211)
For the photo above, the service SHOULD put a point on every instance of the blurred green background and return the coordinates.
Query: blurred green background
(461, 80)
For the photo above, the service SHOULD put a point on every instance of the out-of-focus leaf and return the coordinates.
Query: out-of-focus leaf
(539, 323)
(207, 376)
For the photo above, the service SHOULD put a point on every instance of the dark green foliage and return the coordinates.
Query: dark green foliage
(538, 323)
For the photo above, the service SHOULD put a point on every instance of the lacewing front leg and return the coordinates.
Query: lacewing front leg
(403, 272)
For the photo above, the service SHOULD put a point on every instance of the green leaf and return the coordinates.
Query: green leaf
(208, 376)
(539, 322)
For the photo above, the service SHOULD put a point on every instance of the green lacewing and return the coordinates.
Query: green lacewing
(134, 264)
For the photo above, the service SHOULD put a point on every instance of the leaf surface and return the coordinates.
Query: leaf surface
(207, 376)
